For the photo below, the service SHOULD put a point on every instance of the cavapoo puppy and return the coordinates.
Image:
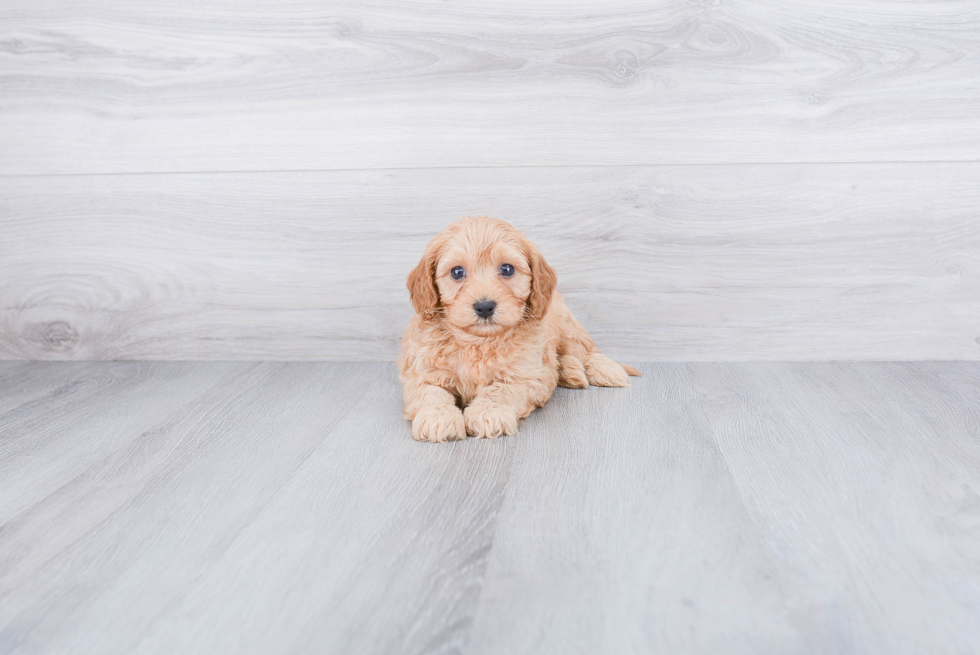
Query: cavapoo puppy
(491, 338)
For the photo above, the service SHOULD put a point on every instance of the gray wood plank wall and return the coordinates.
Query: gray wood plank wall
(712, 180)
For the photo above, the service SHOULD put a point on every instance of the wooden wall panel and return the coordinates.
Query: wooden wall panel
(102, 86)
(814, 261)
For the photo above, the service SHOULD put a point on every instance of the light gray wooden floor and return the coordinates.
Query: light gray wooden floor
(283, 507)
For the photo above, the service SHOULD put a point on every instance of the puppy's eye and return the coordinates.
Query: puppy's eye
(458, 273)
(506, 270)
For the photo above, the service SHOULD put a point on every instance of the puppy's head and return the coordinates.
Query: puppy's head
(482, 276)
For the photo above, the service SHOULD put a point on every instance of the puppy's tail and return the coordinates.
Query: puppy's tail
(632, 371)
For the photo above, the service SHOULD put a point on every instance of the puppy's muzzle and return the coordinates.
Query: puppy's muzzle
(484, 308)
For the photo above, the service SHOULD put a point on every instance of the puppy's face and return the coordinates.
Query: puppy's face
(483, 277)
(484, 280)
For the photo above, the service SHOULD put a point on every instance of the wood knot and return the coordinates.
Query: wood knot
(628, 66)
(347, 29)
(56, 336)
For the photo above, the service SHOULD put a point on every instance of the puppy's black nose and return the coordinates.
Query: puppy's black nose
(484, 308)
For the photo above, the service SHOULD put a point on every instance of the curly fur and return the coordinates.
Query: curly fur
(463, 375)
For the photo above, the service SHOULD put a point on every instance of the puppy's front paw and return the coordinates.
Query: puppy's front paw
(438, 424)
(490, 421)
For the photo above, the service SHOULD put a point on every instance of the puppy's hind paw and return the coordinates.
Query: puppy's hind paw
(604, 372)
(489, 421)
(438, 424)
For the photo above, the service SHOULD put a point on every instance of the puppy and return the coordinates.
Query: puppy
(491, 337)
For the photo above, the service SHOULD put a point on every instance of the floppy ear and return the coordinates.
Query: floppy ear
(543, 282)
(422, 282)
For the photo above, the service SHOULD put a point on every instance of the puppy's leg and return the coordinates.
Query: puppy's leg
(571, 372)
(498, 407)
(435, 416)
(575, 343)
(491, 413)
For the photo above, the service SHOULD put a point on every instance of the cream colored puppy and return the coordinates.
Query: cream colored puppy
(491, 337)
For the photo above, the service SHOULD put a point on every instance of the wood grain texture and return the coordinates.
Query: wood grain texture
(120, 86)
(861, 261)
(897, 454)
(199, 459)
(243, 507)
(623, 532)
(745, 508)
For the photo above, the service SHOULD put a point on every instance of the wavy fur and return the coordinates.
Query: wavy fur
(463, 375)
